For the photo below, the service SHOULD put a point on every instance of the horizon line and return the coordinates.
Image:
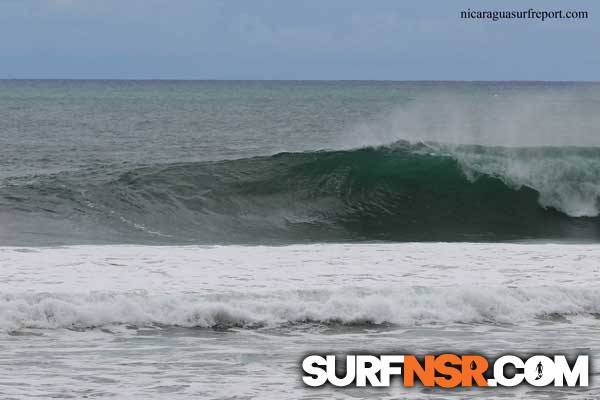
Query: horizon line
(301, 80)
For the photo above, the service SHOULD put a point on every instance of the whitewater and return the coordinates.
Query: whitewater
(104, 320)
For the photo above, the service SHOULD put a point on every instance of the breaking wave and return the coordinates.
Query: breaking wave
(409, 307)
(401, 192)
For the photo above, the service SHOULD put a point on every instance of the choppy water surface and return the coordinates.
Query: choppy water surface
(221, 322)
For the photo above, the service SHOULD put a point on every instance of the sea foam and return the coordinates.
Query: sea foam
(406, 284)
(405, 307)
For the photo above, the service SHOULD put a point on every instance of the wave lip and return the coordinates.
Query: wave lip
(409, 307)
(566, 179)
(402, 192)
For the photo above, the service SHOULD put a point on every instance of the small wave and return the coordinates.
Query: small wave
(409, 307)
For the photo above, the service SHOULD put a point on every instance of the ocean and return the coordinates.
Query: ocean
(197, 239)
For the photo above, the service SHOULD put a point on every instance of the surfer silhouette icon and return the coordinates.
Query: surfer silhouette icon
(539, 369)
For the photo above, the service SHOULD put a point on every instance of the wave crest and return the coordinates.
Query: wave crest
(409, 307)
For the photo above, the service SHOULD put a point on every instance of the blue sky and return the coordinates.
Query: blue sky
(308, 39)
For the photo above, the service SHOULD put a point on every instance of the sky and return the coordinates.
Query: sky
(285, 39)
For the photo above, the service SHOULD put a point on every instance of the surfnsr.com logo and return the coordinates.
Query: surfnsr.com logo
(445, 370)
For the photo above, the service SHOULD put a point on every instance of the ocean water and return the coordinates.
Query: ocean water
(235, 321)
(197, 239)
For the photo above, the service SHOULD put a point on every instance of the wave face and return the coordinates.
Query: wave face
(402, 192)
